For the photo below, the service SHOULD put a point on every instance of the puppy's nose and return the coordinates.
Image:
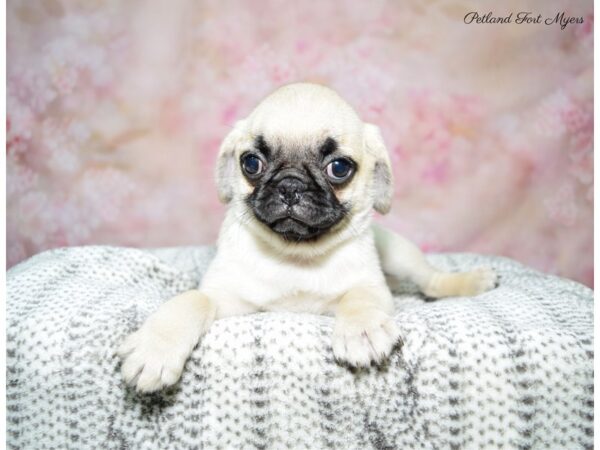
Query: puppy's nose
(290, 190)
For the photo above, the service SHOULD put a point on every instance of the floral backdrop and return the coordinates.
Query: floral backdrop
(115, 111)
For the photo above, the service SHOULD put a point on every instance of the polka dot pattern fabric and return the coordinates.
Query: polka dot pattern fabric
(511, 368)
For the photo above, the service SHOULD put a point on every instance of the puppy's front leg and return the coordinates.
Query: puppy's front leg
(364, 328)
(154, 356)
(400, 258)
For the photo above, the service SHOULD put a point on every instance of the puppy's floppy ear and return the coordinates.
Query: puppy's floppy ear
(381, 181)
(226, 162)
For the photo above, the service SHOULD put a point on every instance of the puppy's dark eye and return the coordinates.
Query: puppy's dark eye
(252, 164)
(339, 169)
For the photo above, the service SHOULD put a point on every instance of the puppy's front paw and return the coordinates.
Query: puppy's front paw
(153, 357)
(366, 337)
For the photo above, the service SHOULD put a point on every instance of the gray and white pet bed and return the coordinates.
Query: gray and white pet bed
(511, 368)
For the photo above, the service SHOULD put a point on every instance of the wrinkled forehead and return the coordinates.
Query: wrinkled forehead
(297, 153)
(297, 131)
(306, 122)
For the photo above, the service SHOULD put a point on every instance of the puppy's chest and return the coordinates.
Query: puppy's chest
(273, 286)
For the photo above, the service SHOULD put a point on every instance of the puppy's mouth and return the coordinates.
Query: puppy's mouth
(293, 226)
(294, 229)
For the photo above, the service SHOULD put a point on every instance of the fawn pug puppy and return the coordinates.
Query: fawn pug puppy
(301, 176)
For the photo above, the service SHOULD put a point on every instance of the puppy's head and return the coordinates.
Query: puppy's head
(305, 168)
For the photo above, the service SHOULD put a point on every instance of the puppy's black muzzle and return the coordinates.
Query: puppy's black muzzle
(296, 203)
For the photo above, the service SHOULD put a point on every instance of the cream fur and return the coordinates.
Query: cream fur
(255, 270)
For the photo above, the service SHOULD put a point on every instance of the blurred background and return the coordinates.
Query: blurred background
(116, 109)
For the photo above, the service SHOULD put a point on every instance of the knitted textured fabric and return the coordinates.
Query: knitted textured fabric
(511, 368)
